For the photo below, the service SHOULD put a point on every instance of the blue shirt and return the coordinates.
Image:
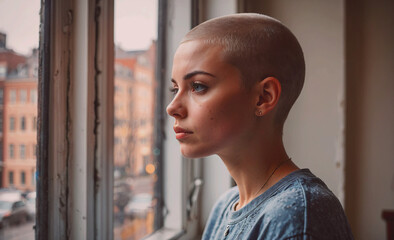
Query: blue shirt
(299, 206)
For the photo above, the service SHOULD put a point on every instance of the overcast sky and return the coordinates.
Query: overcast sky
(135, 23)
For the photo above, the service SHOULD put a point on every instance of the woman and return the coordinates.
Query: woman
(235, 79)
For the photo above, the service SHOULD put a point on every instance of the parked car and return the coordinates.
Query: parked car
(139, 205)
(13, 212)
(31, 205)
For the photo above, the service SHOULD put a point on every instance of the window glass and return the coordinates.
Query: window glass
(11, 150)
(1, 152)
(1, 95)
(23, 123)
(1, 121)
(23, 178)
(22, 96)
(135, 162)
(12, 96)
(11, 177)
(33, 96)
(12, 123)
(19, 36)
(34, 123)
(22, 151)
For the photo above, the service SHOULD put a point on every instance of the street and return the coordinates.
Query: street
(18, 232)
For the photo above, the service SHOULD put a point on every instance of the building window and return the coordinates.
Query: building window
(22, 151)
(1, 151)
(23, 123)
(12, 123)
(33, 96)
(1, 96)
(12, 96)
(23, 178)
(34, 123)
(3, 71)
(11, 148)
(11, 177)
(1, 121)
(22, 96)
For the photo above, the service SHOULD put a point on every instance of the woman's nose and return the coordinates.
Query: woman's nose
(176, 108)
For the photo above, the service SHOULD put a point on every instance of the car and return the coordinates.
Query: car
(139, 205)
(13, 212)
(31, 205)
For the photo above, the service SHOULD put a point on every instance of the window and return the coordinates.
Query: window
(19, 37)
(12, 96)
(23, 178)
(34, 123)
(1, 121)
(11, 177)
(22, 151)
(33, 96)
(22, 96)
(133, 152)
(11, 149)
(1, 151)
(23, 123)
(3, 71)
(116, 162)
(12, 123)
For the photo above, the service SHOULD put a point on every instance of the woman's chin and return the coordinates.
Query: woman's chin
(193, 153)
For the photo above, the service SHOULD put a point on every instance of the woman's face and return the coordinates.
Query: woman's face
(213, 111)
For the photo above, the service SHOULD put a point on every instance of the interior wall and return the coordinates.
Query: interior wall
(216, 177)
(370, 115)
(314, 131)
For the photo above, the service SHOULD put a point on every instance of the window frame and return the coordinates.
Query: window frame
(77, 93)
(75, 90)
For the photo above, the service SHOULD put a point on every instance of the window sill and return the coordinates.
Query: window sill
(166, 234)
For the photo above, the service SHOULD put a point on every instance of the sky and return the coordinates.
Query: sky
(135, 23)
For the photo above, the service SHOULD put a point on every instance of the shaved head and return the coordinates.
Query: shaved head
(260, 47)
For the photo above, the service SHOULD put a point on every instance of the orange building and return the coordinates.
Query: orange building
(134, 110)
(18, 106)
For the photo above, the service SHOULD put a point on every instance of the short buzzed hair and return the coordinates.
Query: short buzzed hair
(260, 47)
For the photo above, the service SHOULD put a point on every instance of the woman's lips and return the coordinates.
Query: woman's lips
(181, 133)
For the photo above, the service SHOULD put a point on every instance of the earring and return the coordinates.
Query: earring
(259, 113)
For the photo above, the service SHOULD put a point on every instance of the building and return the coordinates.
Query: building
(18, 110)
(134, 110)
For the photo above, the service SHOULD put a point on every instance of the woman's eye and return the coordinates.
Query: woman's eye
(197, 87)
(174, 90)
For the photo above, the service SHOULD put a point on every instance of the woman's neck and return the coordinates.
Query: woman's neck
(256, 168)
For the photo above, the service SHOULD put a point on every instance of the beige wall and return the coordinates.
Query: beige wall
(349, 46)
(313, 134)
(370, 115)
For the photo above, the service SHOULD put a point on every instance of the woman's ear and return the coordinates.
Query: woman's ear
(269, 90)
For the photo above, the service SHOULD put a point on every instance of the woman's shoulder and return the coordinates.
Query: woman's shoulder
(303, 204)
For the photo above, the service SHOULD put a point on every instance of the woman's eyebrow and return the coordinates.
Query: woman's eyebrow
(192, 74)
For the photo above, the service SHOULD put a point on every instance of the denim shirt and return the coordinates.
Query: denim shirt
(299, 206)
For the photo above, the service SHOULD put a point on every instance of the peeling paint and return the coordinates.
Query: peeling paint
(65, 187)
(97, 73)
